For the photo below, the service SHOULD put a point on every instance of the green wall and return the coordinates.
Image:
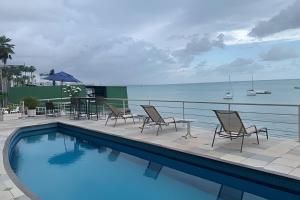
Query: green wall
(16, 94)
(117, 92)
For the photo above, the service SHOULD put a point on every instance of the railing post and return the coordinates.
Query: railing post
(229, 106)
(124, 109)
(298, 123)
(1, 114)
(103, 110)
(23, 110)
(183, 115)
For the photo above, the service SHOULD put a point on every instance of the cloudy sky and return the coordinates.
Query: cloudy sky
(158, 41)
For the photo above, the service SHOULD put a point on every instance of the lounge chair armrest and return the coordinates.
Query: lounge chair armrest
(253, 127)
(170, 118)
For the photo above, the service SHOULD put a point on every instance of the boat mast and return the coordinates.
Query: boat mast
(231, 90)
(252, 83)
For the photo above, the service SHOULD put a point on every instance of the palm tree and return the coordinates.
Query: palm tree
(51, 73)
(31, 70)
(17, 73)
(25, 69)
(6, 50)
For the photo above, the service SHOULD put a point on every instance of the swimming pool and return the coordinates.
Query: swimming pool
(58, 161)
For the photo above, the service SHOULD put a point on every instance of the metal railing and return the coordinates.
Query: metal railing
(282, 120)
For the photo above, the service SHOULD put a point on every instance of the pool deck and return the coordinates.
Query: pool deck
(278, 156)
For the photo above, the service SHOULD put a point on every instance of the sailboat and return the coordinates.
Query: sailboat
(229, 93)
(251, 92)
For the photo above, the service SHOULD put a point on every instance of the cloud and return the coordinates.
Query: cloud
(198, 45)
(240, 65)
(288, 18)
(139, 43)
(278, 53)
(123, 60)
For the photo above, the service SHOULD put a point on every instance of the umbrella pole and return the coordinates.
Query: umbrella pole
(61, 86)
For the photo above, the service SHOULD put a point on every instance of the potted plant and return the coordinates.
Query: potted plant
(31, 103)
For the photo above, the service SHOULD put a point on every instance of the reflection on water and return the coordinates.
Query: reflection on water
(113, 155)
(70, 156)
(81, 167)
(101, 149)
(153, 169)
(35, 139)
(229, 193)
(51, 136)
(65, 158)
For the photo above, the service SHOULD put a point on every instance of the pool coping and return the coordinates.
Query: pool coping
(31, 195)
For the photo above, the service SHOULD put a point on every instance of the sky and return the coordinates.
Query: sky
(124, 42)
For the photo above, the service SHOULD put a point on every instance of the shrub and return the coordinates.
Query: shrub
(72, 91)
(30, 102)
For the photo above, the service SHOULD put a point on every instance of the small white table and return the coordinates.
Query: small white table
(188, 127)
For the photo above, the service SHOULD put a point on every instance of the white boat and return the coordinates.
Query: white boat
(251, 92)
(229, 93)
(263, 92)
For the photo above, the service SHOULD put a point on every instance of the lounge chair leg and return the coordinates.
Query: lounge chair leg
(144, 122)
(257, 138)
(107, 119)
(159, 127)
(242, 142)
(133, 120)
(116, 121)
(97, 112)
(212, 144)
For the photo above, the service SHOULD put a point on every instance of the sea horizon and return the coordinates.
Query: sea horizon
(233, 81)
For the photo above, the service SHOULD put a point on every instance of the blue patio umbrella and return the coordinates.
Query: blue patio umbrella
(62, 77)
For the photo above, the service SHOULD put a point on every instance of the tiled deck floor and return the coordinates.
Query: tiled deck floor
(273, 155)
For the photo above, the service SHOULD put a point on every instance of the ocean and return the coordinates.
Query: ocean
(281, 121)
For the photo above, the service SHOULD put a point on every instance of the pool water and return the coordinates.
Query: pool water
(57, 166)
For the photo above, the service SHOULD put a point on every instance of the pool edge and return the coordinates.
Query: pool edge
(6, 152)
(28, 193)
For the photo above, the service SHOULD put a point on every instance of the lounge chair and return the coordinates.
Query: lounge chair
(156, 118)
(118, 114)
(232, 127)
